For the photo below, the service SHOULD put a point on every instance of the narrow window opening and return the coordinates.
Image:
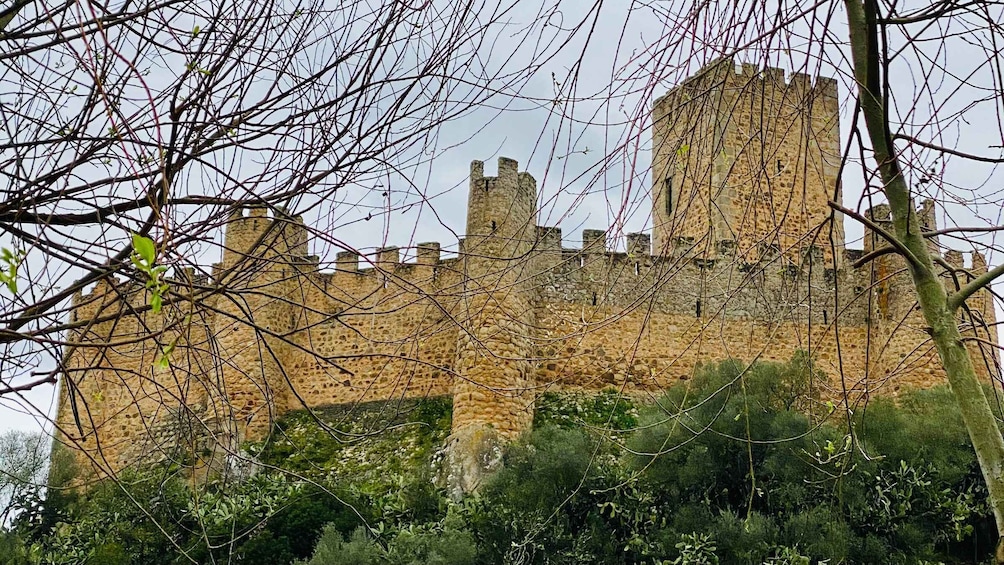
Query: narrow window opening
(594, 299)
(698, 308)
(493, 225)
(826, 319)
(582, 261)
(486, 185)
(668, 195)
(780, 166)
(637, 268)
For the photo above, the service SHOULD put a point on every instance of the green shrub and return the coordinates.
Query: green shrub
(13, 550)
(744, 539)
(742, 464)
(297, 525)
(521, 504)
(696, 549)
(900, 482)
(606, 410)
(428, 544)
(334, 549)
(819, 533)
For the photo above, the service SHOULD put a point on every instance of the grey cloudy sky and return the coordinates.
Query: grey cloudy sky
(579, 125)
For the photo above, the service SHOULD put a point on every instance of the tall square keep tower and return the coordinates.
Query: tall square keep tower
(741, 155)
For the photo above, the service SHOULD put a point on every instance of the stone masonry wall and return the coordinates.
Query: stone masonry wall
(742, 155)
(558, 319)
(116, 400)
(516, 313)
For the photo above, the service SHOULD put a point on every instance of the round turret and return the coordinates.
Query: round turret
(492, 397)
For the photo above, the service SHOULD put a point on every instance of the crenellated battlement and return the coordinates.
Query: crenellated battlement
(725, 73)
(593, 274)
(745, 154)
(744, 162)
(593, 267)
(579, 273)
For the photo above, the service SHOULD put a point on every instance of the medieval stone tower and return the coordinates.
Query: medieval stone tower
(748, 263)
(497, 304)
(254, 322)
(493, 398)
(744, 156)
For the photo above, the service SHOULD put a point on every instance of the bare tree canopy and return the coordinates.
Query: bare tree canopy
(23, 465)
(137, 135)
(160, 119)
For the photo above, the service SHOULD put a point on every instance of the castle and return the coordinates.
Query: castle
(746, 261)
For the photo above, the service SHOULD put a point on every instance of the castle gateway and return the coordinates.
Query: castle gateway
(746, 261)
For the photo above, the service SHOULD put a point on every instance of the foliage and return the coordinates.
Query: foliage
(608, 410)
(366, 442)
(696, 549)
(743, 464)
(749, 460)
(334, 549)
(13, 550)
(144, 258)
(109, 525)
(382, 456)
(440, 543)
(23, 463)
(150, 518)
(10, 261)
(551, 516)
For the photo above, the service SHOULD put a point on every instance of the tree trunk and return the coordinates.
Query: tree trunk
(939, 312)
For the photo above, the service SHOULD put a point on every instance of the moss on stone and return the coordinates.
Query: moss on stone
(373, 448)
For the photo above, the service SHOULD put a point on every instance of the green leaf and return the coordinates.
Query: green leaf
(144, 248)
(155, 303)
(195, 31)
(163, 362)
(138, 263)
(11, 259)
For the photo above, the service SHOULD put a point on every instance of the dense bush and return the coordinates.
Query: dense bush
(740, 465)
(748, 461)
(439, 543)
(341, 477)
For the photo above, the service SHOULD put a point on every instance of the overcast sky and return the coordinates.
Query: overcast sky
(590, 151)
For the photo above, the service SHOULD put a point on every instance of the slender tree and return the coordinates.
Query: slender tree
(23, 463)
(867, 25)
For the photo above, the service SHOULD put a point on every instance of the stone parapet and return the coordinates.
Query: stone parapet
(746, 260)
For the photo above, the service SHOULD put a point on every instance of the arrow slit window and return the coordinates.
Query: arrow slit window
(668, 195)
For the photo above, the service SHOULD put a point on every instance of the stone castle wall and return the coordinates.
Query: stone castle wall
(515, 313)
(583, 319)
